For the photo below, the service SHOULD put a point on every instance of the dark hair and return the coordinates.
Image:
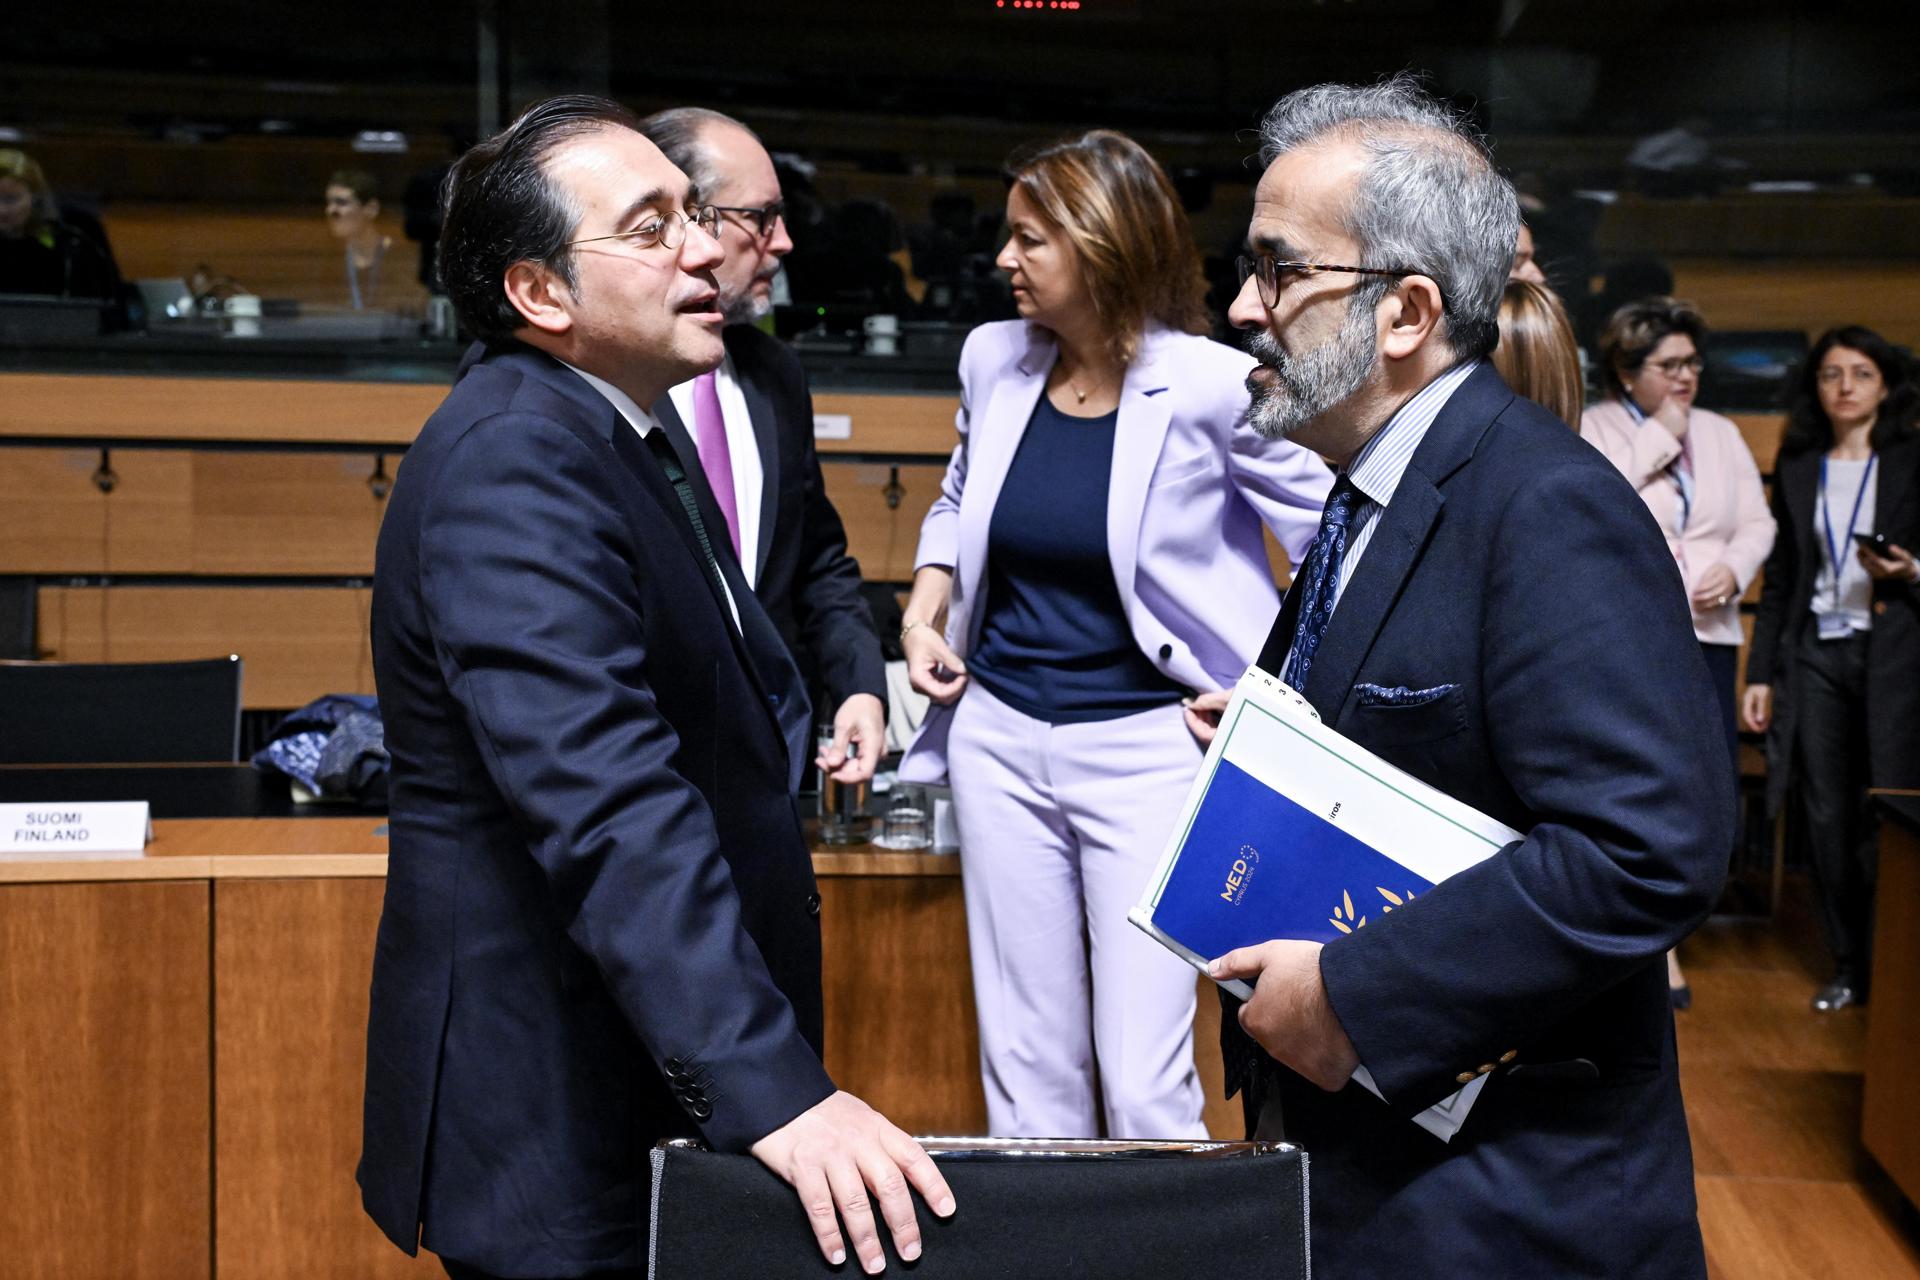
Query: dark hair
(1636, 329)
(364, 185)
(676, 131)
(1808, 427)
(500, 207)
(1113, 202)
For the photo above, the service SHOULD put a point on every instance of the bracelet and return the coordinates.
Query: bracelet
(910, 626)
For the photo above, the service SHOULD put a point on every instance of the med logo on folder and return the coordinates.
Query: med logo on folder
(1293, 831)
(1255, 865)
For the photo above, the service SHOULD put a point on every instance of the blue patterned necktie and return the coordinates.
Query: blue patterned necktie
(1319, 578)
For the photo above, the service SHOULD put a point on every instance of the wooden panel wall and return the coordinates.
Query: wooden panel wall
(1890, 1121)
(104, 1065)
(298, 642)
(881, 537)
(292, 960)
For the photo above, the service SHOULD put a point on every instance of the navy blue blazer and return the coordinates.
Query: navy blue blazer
(1516, 571)
(808, 583)
(601, 923)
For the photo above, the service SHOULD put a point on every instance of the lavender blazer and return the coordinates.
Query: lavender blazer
(1191, 487)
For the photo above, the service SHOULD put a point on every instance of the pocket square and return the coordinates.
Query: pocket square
(1379, 695)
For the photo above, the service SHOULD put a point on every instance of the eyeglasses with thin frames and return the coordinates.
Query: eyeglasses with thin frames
(1677, 365)
(762, 217)
(1266, 268)
(667, 230)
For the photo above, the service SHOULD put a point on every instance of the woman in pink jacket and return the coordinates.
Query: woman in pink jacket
(1093, 565)
(1696, 474)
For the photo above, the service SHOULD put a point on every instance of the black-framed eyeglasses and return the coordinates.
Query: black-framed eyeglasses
(1266, 268)
(761, 218)
(667, 229)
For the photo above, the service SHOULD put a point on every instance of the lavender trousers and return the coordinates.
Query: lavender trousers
(1060, 827)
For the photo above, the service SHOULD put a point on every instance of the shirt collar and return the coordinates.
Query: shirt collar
(639, 419)
(1376, 470)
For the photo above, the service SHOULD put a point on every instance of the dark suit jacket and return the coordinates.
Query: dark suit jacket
(601, 920)
(1516, 568)
(1893, 646)
(808, 583)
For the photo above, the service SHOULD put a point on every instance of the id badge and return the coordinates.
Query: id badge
(1831, 626)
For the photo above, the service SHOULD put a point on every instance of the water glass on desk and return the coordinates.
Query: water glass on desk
(907, 821)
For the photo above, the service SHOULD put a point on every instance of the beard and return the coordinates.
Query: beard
(1306, 386)
(748, 307)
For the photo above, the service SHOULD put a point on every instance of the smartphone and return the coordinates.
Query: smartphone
(1876, 543)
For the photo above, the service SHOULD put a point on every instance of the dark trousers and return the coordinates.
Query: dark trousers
(1723, 666)
(1831, 768)
(461, 1271)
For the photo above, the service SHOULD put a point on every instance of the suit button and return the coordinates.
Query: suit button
(1509, 1055)
(700, 1110)
(1166, 651)
(1465, 1077)
(1879, 606)
(674, 1068)
(1485, 1068)
(813, 904)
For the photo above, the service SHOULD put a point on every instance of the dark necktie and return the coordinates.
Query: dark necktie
(677, 477)
(1319, 579)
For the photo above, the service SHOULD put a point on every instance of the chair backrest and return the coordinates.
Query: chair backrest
(119, 712)
(18, 632)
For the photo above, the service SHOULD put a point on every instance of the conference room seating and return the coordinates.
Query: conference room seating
(120, 712)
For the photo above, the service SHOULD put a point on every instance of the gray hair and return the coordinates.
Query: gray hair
(676, 131)
(1428, 199)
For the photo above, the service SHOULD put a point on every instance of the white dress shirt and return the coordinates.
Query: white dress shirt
(643, 422)
(743, 449)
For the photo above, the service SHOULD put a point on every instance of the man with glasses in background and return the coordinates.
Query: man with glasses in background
(1487, 607)
(749, 423)
(600, 925)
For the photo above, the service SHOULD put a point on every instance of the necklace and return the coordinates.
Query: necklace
(1079, 396)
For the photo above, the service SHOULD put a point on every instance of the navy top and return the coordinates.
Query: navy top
(1054, 641)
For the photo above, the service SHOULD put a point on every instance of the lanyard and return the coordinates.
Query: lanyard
(1677, 470)
(1826, 517)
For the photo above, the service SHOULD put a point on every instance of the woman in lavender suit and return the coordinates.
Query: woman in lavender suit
(1092, 571)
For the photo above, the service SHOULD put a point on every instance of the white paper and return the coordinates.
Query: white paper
(74, 829)
(833, 426)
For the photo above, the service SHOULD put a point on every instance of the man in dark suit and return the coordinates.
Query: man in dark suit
(600, 924)
(750, 424)
(1489, 607)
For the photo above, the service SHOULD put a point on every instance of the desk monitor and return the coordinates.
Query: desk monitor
(1749, 369)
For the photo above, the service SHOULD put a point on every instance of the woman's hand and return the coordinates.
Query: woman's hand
(1673, 416)
(932, 666)
(1715, 587)
(1756, 707)
(1898, 564)
(1203, 714)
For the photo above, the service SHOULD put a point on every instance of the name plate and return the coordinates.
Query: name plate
(93, 828)
(833, 426)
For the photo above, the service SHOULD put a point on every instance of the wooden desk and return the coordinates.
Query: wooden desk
(1890, 1111)
(181, 1072)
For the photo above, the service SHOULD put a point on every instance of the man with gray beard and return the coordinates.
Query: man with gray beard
(1488, 607)
(748, 426)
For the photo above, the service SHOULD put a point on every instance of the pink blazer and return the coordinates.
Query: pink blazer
(1190, 489)
(1729, 523)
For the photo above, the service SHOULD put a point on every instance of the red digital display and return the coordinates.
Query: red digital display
(1056, 5)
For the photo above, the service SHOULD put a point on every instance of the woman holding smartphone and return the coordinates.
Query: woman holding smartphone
(1833, 675)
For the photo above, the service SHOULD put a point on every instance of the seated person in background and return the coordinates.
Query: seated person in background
(1524, 266)
(1696, 474)
(353, 211)
(39, 251)
(1537, 354)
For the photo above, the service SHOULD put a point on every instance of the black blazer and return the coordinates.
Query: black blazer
(808, 583)
(1518, 577)
(1893, 645)
(601, 920)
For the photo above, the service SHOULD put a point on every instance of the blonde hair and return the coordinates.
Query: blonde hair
(42, 213)
(1537, 354)
(1137, 256)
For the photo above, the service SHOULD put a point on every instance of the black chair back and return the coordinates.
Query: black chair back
(119, 712)
(19, 597)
